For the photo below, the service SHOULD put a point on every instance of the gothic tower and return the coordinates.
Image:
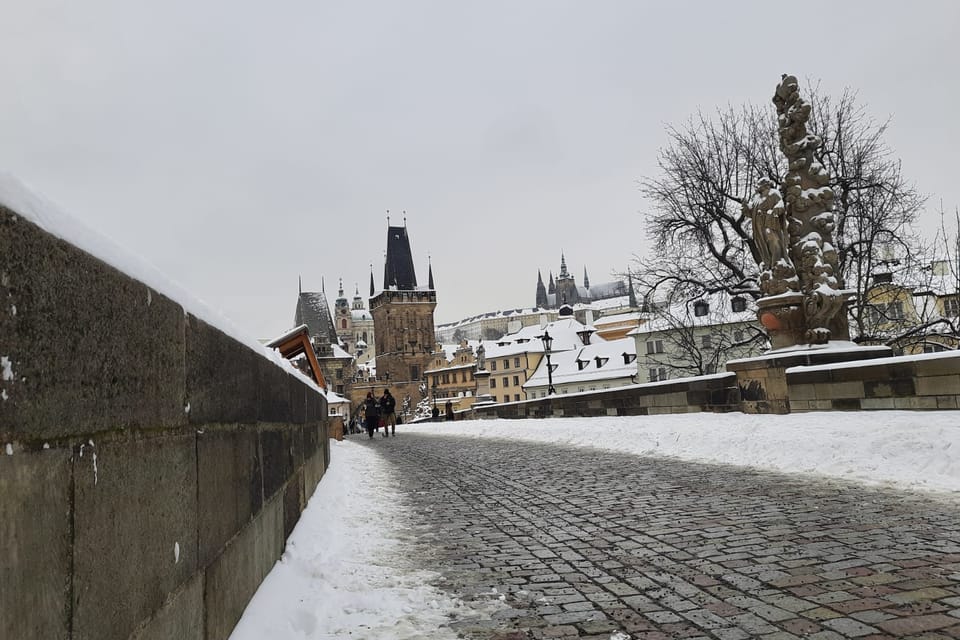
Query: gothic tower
(566, 287)
(541, 292)
(402, 315)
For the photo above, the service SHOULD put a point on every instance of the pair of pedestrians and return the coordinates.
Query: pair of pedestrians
(380, 412)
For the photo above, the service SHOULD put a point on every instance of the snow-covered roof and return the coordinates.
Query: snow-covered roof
(527, 340)
(360, 315)
(600, 360)
(618, 318)
(508, 313)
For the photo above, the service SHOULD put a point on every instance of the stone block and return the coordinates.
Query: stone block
(277, 458)
(313, 470)
(948, 402)
(802, 392)
(293, 501)
(90, 348)
(298, 400)
(799, 406)
(845, 404)
(310, 436)
(181, 616)
(135, 536)
(938, 385)
(821, 405)
(221, 376)
(939, 366)
(230, 483)
(877, 403)
(905, 403)
(274, 395)
(832, 390)
(234, 577)
(35, 544)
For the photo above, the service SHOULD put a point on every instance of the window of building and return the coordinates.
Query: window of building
(701, 308)
(581, 364)
(951, 306)
(711, 368)
(463, 376)
(493, 383)
(706, 341)
(933, 347)
(516, 363)
(516, 397)
(629, 357)
(601, 361)
(738, 335)
(506, 364)
(506, 382)
(516, 381)
(738, 304)
(657, 374)
(493, 365)
(343, 324)
(581, 389)
(655, 346)
(895, 311)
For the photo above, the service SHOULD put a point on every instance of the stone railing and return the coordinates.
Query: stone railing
(686, 395)
(151, 466)
(929, 381)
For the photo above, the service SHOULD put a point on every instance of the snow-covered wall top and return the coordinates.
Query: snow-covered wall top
(35, 208)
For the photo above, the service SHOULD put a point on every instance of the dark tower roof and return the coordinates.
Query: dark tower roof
(371, 281)
(430, 275)
(541, 291)
(633, 296)
(552, 289)
(398, 271)
(313, 311)
(586, 278)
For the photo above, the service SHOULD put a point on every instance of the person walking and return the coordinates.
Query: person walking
(448, 409)
(388, 405)
(371, 413)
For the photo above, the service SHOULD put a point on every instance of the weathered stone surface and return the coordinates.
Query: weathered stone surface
(35, 544)
(181, 616)
(89, 348)
(221, 376)
(234, 577)
(278, 454)
(135, 530)
(230, 485)
(293, 503)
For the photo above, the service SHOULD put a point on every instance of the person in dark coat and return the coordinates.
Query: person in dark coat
(448, 408)
(371, 413)
(388, 405)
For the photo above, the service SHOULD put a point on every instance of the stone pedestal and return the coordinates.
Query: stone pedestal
(763, 381)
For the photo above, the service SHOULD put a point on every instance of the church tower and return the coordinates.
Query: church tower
(402, 315)
(566, 287)
(542, 302)
(343, 320)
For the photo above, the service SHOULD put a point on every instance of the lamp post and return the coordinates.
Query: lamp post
(547, 344)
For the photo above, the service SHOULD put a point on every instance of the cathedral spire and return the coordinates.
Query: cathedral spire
(586, 279)
(563, 266)
(541, 291)
(551, 288)
(430, 274)
(371, 281)
(633, 296)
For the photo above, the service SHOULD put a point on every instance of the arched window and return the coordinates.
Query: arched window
(343, 323)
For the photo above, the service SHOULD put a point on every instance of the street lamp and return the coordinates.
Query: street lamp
(547, 343)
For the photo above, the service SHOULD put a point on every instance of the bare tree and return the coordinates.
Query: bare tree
(701, 237)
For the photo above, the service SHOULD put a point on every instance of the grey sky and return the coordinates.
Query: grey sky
(238, 145)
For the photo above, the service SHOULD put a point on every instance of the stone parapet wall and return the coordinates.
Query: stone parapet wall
(904, 382)
(151, 466)
(688, 395)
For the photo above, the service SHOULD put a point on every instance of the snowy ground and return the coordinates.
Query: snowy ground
(346, 572)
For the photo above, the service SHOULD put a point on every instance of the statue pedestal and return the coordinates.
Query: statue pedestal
(763, 380)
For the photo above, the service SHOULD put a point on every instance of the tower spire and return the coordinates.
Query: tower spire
(371, 280)
(586, 279)
(300, 284)
(388, 217)
(430, 274)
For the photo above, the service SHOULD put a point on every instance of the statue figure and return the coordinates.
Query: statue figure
(793, 230)
(771, 234)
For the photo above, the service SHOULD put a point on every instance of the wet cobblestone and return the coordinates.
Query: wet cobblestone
(576, 543)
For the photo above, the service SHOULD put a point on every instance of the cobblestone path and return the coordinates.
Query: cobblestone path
(577, 543)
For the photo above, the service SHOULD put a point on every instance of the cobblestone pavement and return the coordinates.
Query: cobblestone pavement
(578, 543)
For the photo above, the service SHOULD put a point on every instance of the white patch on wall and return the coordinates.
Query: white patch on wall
(9, 449)
(13, 309)
(176, 552)
(149, 297)
(6, 368)
(186, 409)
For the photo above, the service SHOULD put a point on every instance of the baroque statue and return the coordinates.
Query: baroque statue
(803, 301)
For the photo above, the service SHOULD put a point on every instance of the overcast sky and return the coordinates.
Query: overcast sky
(238, 145)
